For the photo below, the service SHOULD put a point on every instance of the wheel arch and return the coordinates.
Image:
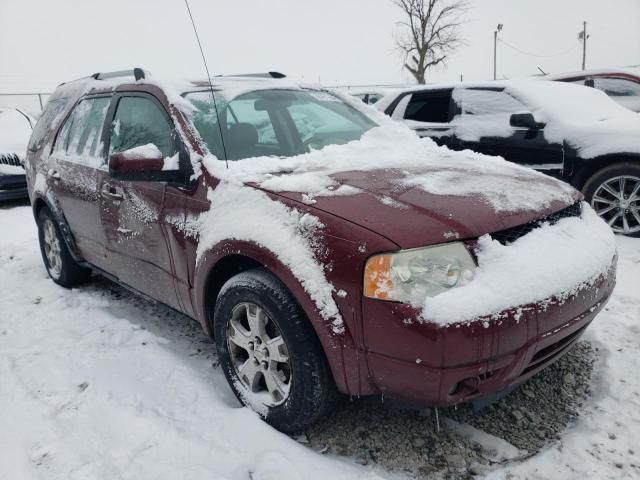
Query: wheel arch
(592, 166)
(224, 261)
(41, 201)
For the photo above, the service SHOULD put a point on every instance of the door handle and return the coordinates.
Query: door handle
(111, 192)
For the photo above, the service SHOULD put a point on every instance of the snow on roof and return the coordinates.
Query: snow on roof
(631, 70)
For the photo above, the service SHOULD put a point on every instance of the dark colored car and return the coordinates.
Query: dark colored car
(15, 130)
(573, 133)
(621, 84)
(306, 260)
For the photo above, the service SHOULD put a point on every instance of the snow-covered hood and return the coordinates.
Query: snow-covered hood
(399, 205)
(407, 188)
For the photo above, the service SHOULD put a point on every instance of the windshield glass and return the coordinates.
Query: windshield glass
(280, 123)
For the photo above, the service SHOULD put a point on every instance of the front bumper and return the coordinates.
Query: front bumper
(427, 364)
(13, 187)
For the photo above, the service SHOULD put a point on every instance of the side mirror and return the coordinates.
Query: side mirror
(525, 120)
(145, 164)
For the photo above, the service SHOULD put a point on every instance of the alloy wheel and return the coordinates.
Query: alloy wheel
(259, 354)
(52, 248)
(617, 202)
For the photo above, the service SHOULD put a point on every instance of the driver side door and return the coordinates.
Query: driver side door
(132, 212)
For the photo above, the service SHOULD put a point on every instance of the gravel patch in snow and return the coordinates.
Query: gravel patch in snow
(469, 443)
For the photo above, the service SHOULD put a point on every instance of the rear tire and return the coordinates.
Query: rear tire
(614, 193)
(269, 353)
(60, 265)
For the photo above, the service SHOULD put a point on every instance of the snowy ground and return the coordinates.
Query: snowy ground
(96, 383)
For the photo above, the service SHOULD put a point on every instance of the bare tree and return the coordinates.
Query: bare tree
(429, 33)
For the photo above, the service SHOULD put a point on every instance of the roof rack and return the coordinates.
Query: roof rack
(137, 73)
(257, 75)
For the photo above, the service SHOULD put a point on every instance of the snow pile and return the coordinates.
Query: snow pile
(504, 185)
(553, 260)
(286, 232)
(143, 151)
(97, 384)
(586, 118)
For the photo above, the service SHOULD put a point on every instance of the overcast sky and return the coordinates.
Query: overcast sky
(45, 42)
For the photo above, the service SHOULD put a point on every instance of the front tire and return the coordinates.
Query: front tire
(614, 193)
(60, 265)
(269, 353)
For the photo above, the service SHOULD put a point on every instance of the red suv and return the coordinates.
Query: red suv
(327, 249)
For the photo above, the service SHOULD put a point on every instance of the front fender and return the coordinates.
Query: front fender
(334, 345)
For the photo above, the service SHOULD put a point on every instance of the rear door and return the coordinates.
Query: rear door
(78, 154)
(132, 213)
(429, 113)
(482, 124)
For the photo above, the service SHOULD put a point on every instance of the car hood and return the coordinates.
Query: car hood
(398, 204)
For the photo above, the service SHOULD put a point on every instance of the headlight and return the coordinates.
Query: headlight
(412, 275)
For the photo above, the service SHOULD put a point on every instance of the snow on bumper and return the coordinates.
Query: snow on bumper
(430, 364)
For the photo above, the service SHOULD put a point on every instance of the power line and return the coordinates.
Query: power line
(564, 52)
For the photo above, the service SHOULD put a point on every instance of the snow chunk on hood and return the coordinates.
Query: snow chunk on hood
(288, 233)
(423, 164)
(553, 260)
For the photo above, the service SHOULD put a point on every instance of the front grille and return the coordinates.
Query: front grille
(10, 159)
(551, 353)
(510, 235)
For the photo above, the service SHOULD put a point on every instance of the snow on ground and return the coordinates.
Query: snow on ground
(96, 387)
(95, 383)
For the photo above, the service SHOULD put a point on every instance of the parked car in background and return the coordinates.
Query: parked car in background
(621, 84)
(571, 132)
(15, 129)
(319, 248)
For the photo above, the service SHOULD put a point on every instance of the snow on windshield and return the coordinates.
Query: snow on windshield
(422, 164)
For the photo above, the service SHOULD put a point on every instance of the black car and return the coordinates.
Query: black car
(571, 132)
(15, 130)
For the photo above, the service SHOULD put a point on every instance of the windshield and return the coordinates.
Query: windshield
(280, 123)
(566, 103)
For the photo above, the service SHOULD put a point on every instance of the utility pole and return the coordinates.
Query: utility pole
(495, 51)
(583, 36)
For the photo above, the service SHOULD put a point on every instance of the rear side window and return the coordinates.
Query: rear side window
(140, 121)
(42, 130)
(617, 87)
(470, 101)
(432, 107)
(80, 139)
